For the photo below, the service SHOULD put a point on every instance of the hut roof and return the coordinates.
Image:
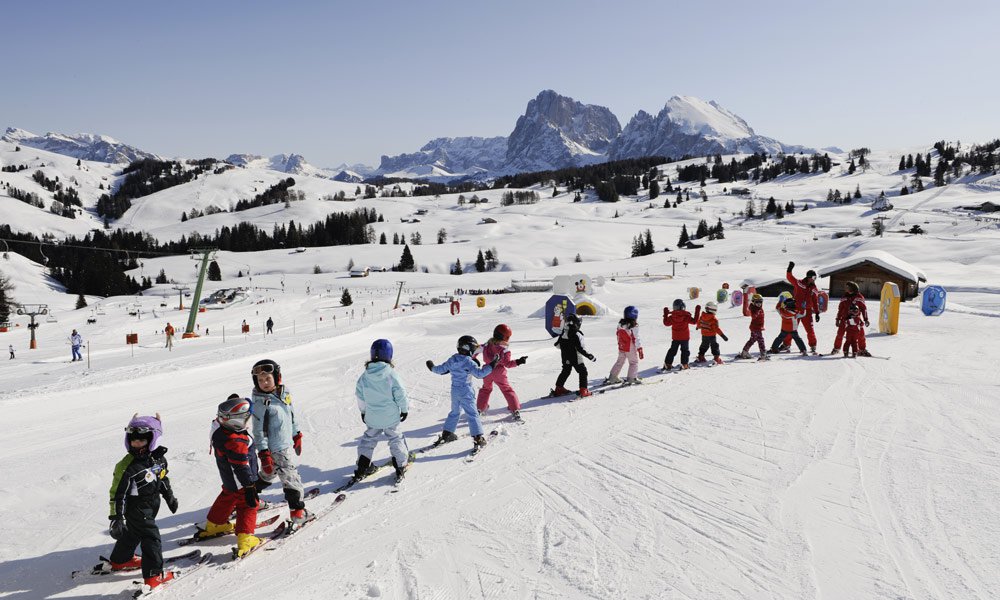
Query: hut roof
(879, 258)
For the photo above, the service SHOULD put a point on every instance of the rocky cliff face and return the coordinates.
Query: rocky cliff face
(85, 146)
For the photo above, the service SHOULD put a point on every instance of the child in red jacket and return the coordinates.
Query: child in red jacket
(789, 326)
(756, 328)
(852, 298)
(854, 327)
(708, 324)
(679, 320)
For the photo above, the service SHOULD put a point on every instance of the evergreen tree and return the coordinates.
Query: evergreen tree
(909, 161)
(350, 264)
(702, 230)
(456, 269)
(480, 262)
(772, 206)
(684, 239)
(162, 277)
(81, 302)
(654, 189)
(382, 239)
(395, 239)
(904, 191)
(647, 245)
(406, 260)
(857, 192)
(750, 210)
(779, 213)
(184, 217)
(555, 261)
(6, 298)
(577, 259)
(239, 273)
(442, 235)
(345, 298)
(214, 272)
(415, 238)
(902, 163)
(851, 168)
(719, 230)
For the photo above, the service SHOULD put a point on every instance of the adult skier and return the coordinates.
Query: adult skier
(463, 367)
(75, 342)
(168, 331)
(270, 325)
(629, 348)
(497, 346)
(572, 351)
(139, 481)
(383, 405)
(805, 293)
(276, 436)
(852, 297)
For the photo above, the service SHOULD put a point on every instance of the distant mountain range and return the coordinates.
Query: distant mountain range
(554, 132)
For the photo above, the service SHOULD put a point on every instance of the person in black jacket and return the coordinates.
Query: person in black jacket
(139, 481)
(571, 347)
(238, 469)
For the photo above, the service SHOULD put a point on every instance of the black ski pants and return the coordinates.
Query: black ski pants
(567, 369)
(794, 335)
(685, 352)
(706, 342)
(144, 533)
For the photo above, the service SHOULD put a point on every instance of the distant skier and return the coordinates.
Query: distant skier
(854, 325)
(572, 351)
(270, 325)
(383, 405)
(791, 314)
(679, 320)
(237, 464)
(76, 341)
(11, 348)
(852, 297)
(497, 346)
(276, 436)
(756, 328)
(806, 294)
(708, 324)
(463, 367)
(629, 348)
(139, 481)
(169, 332)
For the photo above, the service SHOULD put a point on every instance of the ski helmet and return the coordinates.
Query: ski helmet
(631, 312)
(573, 320)
(381, 351)
(790, 303)
(757, 299)
(266, 366)
(711, 307)
(852, 287)
(467, 345)
(234, 413)
(679, 304)
(147, 428)
(501, 332)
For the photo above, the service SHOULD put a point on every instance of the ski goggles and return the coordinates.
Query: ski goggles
(262, 369)
(138, 429)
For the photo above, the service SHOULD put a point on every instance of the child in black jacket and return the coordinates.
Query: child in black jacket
(571, 347)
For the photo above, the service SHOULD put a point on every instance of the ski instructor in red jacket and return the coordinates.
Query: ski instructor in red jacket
(805, 293)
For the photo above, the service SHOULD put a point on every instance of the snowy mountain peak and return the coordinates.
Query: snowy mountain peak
(85, 146)
(695, 116)
(294, 164)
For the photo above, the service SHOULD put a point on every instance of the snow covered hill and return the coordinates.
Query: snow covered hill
(85, 146)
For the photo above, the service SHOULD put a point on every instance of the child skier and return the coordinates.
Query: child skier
(854, 326)
(571, 348)
(853, 297)
(139, 481)
(629, 348)
(756, 328)
(708, 324)
(383, 405)
(789, 326)
(679, 320)
(497, 346)
(276, 435)
(237, 466)
(463, 367)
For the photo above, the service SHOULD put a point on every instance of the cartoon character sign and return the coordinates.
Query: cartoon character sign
(556, 309)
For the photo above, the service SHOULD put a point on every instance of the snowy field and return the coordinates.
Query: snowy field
(803, 477)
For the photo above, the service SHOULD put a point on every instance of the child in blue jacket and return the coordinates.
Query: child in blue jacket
(383, 406)
(463, 398)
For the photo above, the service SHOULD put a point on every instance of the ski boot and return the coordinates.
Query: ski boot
(478, 441)
(583, 392)
(743, 354)
(864, 353)
(633, 381)
(400, 471)
(158, 579)
(445, 437)
(804, 353)
(763, 357)
(299, 517)
(685, 366)
(133, 563)
(516, 414)
(717, 360)
(835, 350)
(365, 468)
(667, 367)
(612, 380)
(560, 391)
(215, 529)
(245, 542)
(812, 349)
(700, 359)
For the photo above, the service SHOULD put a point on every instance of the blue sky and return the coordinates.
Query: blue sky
(348, 81)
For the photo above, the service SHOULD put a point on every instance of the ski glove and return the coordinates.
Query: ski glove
(430, 365)
(266, 462)
(250, 496)
(723, 336)
(495, 361)
(297, 443)
(791, 265)
(640, 354)
(118, 528)
(402, 416)
(867, 324)
(521, 360)
(171, 503)
(363, 418)
(592, 358)
(817, 317)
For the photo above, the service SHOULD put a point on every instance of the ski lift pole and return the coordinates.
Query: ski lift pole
(206, 255)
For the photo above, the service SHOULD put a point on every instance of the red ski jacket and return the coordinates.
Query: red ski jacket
(789, 319)
(805, 295)
(756, 319)
(845, 305)
(680, 322)
(708, 324)
(628, 338)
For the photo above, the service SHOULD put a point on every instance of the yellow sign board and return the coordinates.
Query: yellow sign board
(888, 314)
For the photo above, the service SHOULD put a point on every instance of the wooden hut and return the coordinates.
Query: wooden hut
(871, 270)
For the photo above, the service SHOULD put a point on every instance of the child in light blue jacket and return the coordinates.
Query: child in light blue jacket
(383, 406)
(463, 398)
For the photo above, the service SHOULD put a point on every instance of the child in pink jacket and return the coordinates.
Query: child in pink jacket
(497, 346)
(629, 348)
